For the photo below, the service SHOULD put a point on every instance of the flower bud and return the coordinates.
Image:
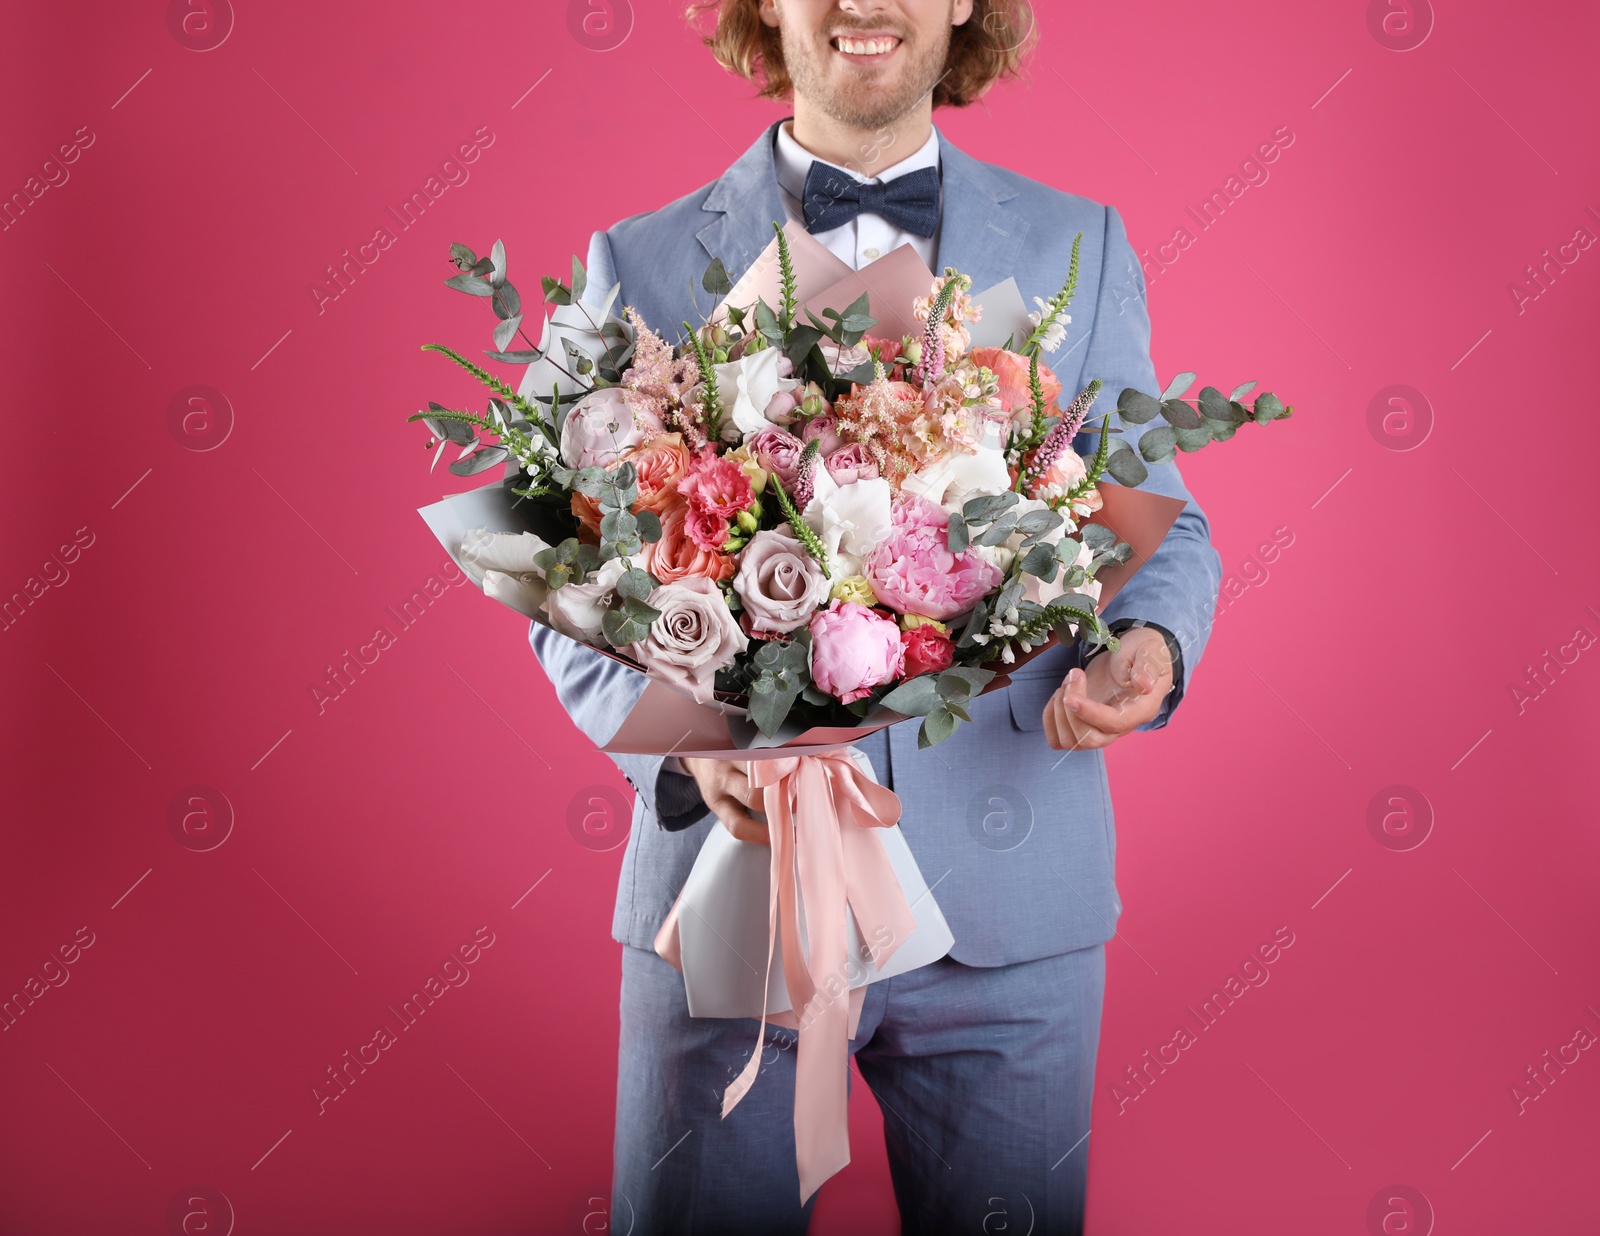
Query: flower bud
(745, 521)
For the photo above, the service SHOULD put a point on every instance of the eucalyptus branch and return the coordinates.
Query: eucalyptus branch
(802, 530)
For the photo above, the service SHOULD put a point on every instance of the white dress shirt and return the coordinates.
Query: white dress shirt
(867, 237)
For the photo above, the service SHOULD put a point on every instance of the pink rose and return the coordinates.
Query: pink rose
(853, 649)
(717, 486)
(1011, 372)
(927, 648)
(694, 637)
(913, 571)
(825, 427)
(778, 451)
(603, 426)
(850, 463)
(780, 584)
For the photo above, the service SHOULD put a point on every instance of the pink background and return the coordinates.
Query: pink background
(1376, 647)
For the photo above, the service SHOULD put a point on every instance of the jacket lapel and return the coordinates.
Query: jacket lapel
(978, 233)
(746, 201)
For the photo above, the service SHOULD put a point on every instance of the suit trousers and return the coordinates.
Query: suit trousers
(984, 1076)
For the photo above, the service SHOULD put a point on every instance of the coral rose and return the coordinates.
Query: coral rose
(1011, 372)
(661, 463)
(677, 555)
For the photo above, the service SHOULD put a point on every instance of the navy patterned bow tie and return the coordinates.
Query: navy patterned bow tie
(833, 197)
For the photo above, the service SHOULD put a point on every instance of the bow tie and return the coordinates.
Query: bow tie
(833, 197)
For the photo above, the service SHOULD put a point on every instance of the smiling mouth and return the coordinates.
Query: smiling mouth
(867, 48)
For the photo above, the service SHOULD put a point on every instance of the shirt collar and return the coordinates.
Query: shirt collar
(792, 161)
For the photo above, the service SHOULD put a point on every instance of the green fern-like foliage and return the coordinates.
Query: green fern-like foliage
(786, 279)
(534, 414)
(799, 527)
(711, 405)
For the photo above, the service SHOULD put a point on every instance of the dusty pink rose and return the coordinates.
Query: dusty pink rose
(604, 425)
(694, 637)
(913, 571)
(780, 584)
(825, 427)
(853, 649)
(778, 451)
(850, 463)
(717, 485)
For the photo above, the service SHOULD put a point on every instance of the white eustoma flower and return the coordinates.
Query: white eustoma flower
(501, 563)
(746, 386)
(850, 519)
(953, 478)
(577, 609)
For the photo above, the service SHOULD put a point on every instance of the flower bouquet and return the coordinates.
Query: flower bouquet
(808, 517)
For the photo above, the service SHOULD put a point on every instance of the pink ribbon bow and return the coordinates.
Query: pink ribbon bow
(820, 810)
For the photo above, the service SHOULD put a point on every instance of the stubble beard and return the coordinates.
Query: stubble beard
(855, 102)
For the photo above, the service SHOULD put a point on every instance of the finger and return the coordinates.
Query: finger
(1068, 732)
(1111, 719)
(740, 822)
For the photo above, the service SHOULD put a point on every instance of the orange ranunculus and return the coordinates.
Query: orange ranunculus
(1011, 371)
(676, 557)
(661, 461)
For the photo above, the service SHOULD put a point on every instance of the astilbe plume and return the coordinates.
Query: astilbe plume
(874, 416)
(661, 380)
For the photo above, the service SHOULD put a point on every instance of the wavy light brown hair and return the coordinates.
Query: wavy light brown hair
(989, 46)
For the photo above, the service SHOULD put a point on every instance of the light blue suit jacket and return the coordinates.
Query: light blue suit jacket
(1016, 838)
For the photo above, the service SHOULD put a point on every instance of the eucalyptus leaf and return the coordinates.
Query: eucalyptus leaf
(1177, 386)
(1213, 406)
(957, 534)
(1041, 560)
(988, 506)
(506, 331)
(463, 257)
(1126, 467)
(497, 263)
(480, 461)
(506, 303)
(470, 284)
(637, 583)
(1243, 389)
(649, 525)
(580, 280)
(715, 280)
(1157, 444)
(1194, 439)
(1269, 407)
(1135, 407)
(936, 727)
(1097, 536)
(914, 697)
(1179, 414)
(525, 357)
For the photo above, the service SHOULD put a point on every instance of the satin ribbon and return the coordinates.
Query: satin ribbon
(821, 809)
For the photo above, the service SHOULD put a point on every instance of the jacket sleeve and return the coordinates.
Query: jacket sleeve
(596, 691)
(1176, 587)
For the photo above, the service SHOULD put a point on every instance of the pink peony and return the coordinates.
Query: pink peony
(853, 649)
(604, 425)
(717, 486)
(778, 451)
(850, 463)
(913, 571)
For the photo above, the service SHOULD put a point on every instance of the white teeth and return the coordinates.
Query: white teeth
(865, 47)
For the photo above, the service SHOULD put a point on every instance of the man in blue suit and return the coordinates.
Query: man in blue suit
(982, 1063)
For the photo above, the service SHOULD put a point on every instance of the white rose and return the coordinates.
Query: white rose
(746, 386)
(577, 609)
(502, 565)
